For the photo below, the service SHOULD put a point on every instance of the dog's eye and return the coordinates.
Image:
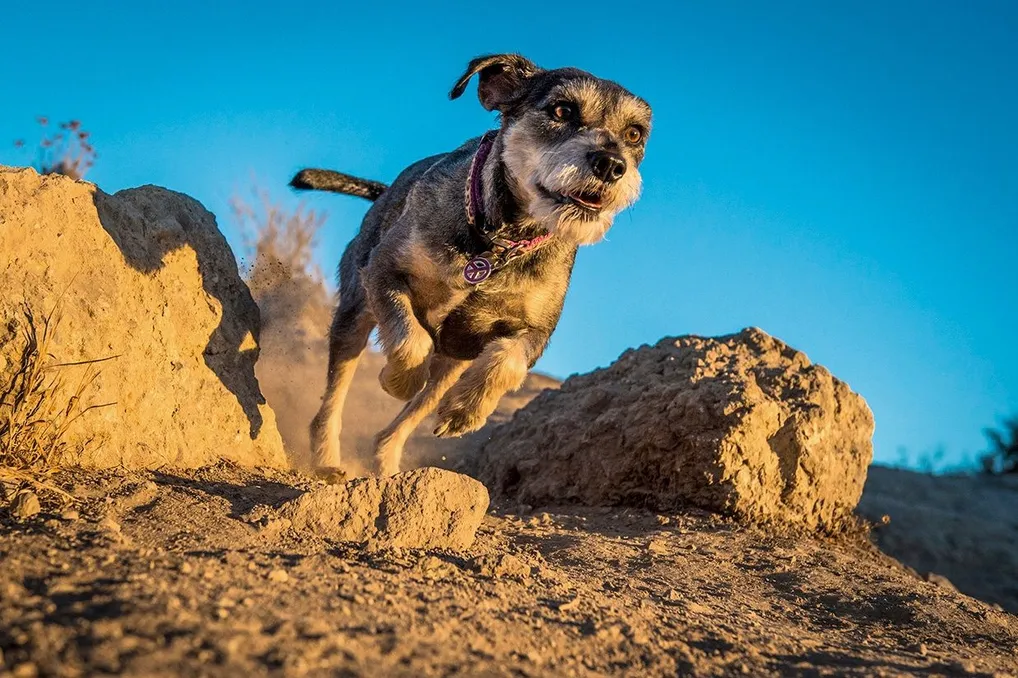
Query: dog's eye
(634, 135)
(563, 111)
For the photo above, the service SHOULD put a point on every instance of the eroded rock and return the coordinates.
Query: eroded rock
(425, 508)
(144, 281)
(741, 424)
(25, 505)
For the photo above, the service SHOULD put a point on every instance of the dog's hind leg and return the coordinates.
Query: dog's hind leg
(348, 336)
(444, 372)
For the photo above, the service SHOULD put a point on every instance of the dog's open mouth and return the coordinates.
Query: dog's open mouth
(588, 200)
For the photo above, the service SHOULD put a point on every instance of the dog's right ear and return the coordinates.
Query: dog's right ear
(500, 76)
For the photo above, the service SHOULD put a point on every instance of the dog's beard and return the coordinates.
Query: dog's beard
(545, 179)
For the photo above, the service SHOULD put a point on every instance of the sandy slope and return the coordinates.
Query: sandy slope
(169, 577)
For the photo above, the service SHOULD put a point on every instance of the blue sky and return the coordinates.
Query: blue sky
(842, 175)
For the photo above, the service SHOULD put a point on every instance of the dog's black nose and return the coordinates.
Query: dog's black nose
(607, 166)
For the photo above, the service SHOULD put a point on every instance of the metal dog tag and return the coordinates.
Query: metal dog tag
(477, 270)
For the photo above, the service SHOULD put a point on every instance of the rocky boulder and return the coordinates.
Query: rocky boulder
(426, 508)
(741, 424)
(144, 281)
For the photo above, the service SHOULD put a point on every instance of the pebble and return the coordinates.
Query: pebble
(70, 514)
(505, 565)
(25, 505)
(657, 546)
(279, 576)
(569, 605)
(25, 670)
(107, 524)
(941, 581)
(697, 608)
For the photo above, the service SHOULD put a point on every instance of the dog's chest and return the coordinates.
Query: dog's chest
(502, 306)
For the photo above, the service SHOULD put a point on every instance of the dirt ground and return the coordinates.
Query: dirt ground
(181, 573)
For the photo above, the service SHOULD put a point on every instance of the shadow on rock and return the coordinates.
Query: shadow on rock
(149, 222)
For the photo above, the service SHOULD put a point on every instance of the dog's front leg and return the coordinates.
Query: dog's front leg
(407, 345)
(501, 368)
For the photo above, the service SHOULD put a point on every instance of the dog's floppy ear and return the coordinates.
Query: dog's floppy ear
(500, 75)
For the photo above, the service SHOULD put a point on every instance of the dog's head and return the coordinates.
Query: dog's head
(572, 142)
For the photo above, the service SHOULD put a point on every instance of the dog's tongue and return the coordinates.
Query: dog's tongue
(587, 199)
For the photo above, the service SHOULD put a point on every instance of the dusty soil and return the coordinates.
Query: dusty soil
(175, 573)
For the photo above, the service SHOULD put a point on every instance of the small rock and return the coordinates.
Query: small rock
(25, 505)
(186, 568)
(922, 649)
(503, 565)
(314, 628)
(25, 670)
(697, 608)
(569, 605)
(663, 520)
(70, 515)
(941, 581)
(657, 547)
(279, 576)
(432, 567)
(107, 524)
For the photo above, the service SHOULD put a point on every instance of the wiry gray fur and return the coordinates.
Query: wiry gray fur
(565, 161)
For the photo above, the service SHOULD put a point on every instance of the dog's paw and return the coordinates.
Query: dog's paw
(387, 468)
(457, 420)
(403, 383)
(331, 475)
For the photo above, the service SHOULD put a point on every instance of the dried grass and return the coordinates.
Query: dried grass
(38, 406)
(67, 150)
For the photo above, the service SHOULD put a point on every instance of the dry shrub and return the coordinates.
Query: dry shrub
(1002, 457)
(38, 407)
(67, 150)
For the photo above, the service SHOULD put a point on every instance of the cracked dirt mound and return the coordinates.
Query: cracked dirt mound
(145, 279)
(742, 424)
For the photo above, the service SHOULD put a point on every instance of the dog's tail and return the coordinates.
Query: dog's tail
(337, 182)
